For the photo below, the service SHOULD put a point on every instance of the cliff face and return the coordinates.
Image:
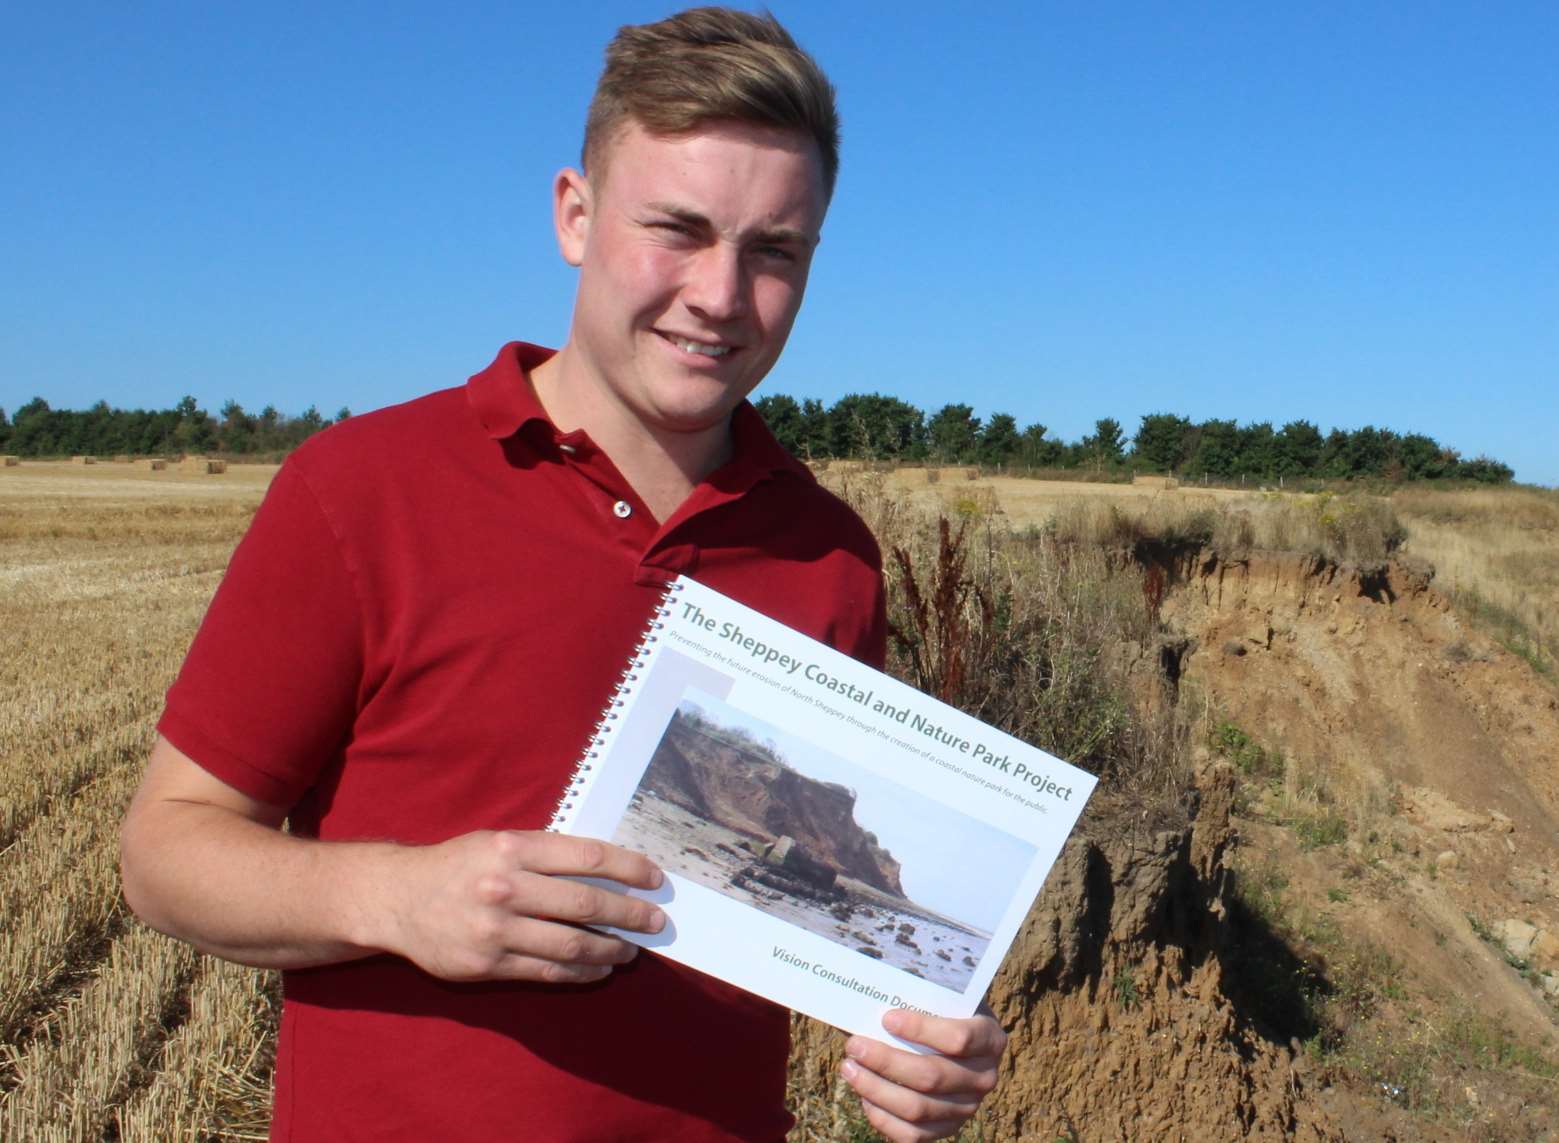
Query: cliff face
(753, 794)
(1114, 998)
(1142, 993)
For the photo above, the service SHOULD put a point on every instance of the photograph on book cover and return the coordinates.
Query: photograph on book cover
(784, 826)
(832, 838)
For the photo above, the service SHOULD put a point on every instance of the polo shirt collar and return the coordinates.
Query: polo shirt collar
(504, 401)
(501, 395)
(755, 454)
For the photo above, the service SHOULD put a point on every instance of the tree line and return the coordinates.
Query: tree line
(864, 426)
(38, 430)
(874, 427)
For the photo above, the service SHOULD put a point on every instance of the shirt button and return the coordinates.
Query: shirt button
(622, 510)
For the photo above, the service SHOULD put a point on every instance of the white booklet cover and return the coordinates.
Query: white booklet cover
(832, 838)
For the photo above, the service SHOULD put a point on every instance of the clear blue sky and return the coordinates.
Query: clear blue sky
(1347, 213)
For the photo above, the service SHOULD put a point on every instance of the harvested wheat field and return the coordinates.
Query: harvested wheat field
(109, 1030)
(1315, 900)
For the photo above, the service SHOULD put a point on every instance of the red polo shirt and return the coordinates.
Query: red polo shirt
(414, 641)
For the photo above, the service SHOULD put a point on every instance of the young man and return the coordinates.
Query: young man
(412, 644)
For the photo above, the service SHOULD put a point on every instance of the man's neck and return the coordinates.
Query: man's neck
(662, 467)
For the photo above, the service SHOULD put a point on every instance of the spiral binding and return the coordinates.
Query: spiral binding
(604, 725)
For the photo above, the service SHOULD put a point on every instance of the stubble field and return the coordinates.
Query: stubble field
(107, 1029)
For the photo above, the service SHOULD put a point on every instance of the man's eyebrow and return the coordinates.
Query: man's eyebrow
(680, 213)
(774, 234)
(784, 234)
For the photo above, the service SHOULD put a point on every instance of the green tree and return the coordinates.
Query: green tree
(196, 431)
(1217, 450)
(1297, 449)
(1257, 450)
(783, 416)
(102, 430)
(1106, 444)
(999, 439)
(873, 427)
(1036, 450)
(953, 434)
(267, 430)
(1363, 452)
(236, 433)
(1422, 458)
(32, 429)
(814, 429)
(1485, 470)
(1163, 441)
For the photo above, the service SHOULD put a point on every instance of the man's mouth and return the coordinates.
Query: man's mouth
(702, 348)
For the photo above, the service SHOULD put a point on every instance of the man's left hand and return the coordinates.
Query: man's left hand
(911, 1098)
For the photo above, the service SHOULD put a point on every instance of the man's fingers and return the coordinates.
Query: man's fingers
(905, 1116)
(930, 1075)
(537, 879)
(556, 854)
(523, 948)
(513, 905)
(518, 967)
(975, 1037)
(562, 899)
(564, 944)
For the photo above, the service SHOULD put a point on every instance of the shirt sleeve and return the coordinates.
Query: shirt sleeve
(268, 693)
(874, 643)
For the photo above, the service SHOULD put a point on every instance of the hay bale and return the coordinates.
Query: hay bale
(83, 460)
(10, 461)
(215, 466)
(122, 458)
(153, 464)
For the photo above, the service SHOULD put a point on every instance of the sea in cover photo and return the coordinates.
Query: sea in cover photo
(777, 823)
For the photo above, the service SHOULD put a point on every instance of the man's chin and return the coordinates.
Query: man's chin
(696, 408)
(693, 424)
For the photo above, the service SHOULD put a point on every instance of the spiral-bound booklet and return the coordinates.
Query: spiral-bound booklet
(832, 839)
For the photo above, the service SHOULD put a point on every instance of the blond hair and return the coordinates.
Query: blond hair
(707, 64)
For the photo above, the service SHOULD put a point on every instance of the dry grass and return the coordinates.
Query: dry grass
(1353, 529)
(1496, 552)
(104, 573)
(1053, 640)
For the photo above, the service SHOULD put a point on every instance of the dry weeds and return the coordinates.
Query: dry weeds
(1496, 551)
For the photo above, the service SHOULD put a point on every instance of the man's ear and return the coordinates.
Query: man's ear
(572, 208)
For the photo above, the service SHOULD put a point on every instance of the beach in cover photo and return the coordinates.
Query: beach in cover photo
(785, 826)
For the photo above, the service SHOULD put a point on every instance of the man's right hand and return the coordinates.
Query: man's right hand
(205, 862)
(500, 906)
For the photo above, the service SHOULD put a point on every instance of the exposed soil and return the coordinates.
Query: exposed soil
(1440, 752)
(1431, 756)
(1425, 734)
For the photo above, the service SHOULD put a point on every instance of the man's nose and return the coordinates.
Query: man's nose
(717, 286)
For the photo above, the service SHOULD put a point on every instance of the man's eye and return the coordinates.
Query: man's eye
(673, 227)
(782, 253)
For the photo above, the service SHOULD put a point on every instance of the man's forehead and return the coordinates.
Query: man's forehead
(727, 133)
